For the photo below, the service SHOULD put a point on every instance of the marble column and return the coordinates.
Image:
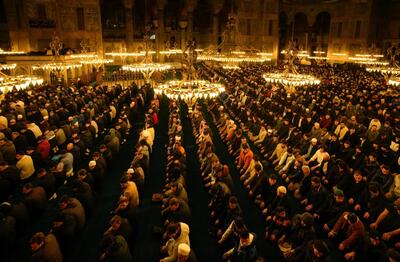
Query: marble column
(129, 28)
(160, 4)
(183, 25)
(215, 26)
(160, 30)
(190, 26)
(216, 6)
(190, 6)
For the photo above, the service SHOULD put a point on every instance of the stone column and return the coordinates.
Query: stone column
(190, 26)
(215, 26)
(190, 6)
(216, 6)
(160, 31)
(160, 24)
(129, 23)
(183, 25)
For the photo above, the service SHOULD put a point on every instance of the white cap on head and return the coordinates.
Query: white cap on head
(92, 163)
(19, 117)
(130, 171)
(314, 140)
(282, 189)
(184, 249)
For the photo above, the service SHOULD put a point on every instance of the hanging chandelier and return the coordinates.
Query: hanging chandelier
(369, 56)
(7, 66)
(97, 62)
(231, 52)
(187, 90)
(146, 66)
(92, 59)
(190, 89)
(395, 81)
(2, 52)
(389, 70)
(318, 55)
(8, 83)
(230, 67)
(58, 65)
(290, 78)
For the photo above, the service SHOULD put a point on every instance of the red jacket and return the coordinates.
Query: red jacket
(44, 148)
(354, 231)
(155, 119)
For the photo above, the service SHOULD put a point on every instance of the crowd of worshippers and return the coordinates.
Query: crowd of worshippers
(237, 242)
(322, 163)
(175, 211)
(119, 238)
(56, 147)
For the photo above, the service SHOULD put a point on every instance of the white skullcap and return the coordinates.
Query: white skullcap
(183, 250)
(19, 116)
(46, 117)
(130, 171)
(314, 140)
(282, 190)
(92, 163)
(394, 146)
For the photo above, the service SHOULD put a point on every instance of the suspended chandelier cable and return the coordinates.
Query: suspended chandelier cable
(389, 70)
(231, 51)
(146, 66)
(191, 88)
(58, 65)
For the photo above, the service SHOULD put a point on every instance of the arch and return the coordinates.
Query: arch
(202, 16)
(322, 24)
(283, 29)
(112, 14)
(227, 8)
(320, 31)
(143, 15)
(300, 22)
(300, 29)
(172, 14)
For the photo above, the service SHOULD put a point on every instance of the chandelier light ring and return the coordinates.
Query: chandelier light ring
(57, 66)
(7, 83)
(290, 79)
(186, 90)
(7, 66)
(2, 52)
(97, 61)
(394, 81)
(384, 70)
(233, 59)
(144, 67)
